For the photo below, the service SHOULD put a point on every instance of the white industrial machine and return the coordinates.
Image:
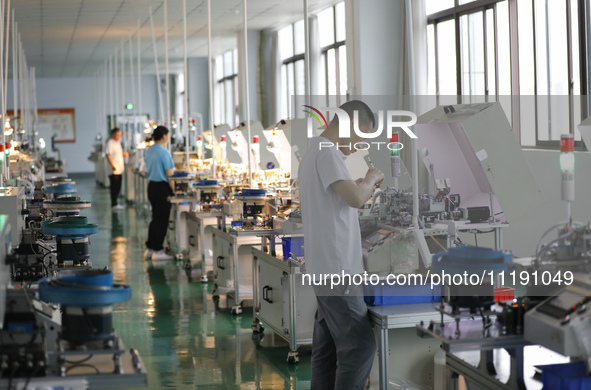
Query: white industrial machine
(58, 334)
(12, 203)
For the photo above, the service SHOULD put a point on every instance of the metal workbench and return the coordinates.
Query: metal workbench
(233, 263)
(281, 301)
(414, 357)
(199, 241)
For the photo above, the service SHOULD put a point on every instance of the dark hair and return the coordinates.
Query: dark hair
(114, 130)
(366, 116)
(159, 133)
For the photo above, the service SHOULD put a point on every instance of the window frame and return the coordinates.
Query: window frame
(221, 89)
(459, 10)
(336, 45)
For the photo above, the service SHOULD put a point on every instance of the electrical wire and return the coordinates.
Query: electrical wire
(574, 223)
(83, 365)
(11, 378)
(79, 361)
(32, 374)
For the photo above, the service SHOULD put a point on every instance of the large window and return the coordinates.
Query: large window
(333, 57)
(526, 54)
(333, 61)
(226, 89)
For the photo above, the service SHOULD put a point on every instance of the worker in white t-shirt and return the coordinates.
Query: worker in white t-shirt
(115, 155)
(343, 345)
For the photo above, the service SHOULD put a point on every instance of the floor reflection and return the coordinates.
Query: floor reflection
(186, 339)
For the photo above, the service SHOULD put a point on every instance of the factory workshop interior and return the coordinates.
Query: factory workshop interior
(294, 195)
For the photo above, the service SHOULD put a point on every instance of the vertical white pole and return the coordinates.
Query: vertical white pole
(2, 13)
(6, 50)
(186, 86)
(14, 72)
(157, 71)
(112, 92)
(105, 93)
(166, 72)
(139, 74)
(210, 71)
(247, 100)
(168, 117)
(34, 95)
(116, 87)
(123, 112)
(307, 55)
(132, 79)
(21, 83)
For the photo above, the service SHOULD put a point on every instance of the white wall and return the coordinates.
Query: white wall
(198, 88)
(374, 46)
(253, 84)
(79, 94)
(523, 235)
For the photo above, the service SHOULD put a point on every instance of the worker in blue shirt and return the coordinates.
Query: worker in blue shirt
(159, 166)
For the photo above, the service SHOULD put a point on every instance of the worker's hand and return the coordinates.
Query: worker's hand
(358, 181)
(375, 176)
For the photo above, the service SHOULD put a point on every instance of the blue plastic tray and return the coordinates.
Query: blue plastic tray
(294, 245)
(567, 376)
(384, 294)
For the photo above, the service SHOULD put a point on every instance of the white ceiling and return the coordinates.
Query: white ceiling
(73, 38)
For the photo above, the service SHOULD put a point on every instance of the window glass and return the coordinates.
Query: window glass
(446, 43)
(433, 6)
(343, 70)
(299, 37)
(431, 60)
(340, 21)
(285, 42)
(326, 32)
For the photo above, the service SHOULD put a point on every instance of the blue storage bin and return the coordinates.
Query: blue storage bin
(294, 245)
(204, 182)
(384, 294)
(253, 192)
(567, 376)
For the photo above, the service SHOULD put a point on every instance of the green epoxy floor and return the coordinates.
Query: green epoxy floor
(185, 339)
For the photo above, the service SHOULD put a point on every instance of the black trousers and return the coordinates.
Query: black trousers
(158, 193)
(115, 187)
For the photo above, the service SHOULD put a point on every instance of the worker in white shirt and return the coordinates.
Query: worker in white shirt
(343, 346)
(115, 155)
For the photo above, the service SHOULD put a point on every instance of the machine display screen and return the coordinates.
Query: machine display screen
(561, 305)
(566, 300)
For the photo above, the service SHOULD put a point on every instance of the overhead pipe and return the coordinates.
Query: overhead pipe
(306, 56)
(111, 94)
(2, 86)
(210, 72)
(116, 88)
(246, 88)
(139, 75)
(157, 69)
(166, 71)
(14, 71)
(126, 139)
(186, 86)
(132, 81)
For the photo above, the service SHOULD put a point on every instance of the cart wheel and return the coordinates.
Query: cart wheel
(178, 256)
(204, 278)
(236, 310)
(257, 327)
(292, 357)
